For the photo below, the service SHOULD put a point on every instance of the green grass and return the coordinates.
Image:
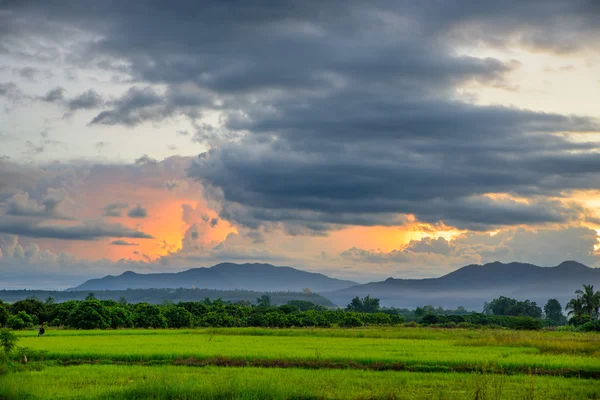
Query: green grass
(364, 363)
(565, 353)
(135, 382)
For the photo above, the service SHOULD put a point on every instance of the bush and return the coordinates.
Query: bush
(526, 323)
(351, 320)
(411, 324)
(15, 323)
(8, 340)
(590, 326)
(430, 319)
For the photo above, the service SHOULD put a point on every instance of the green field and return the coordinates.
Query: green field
(307, 363)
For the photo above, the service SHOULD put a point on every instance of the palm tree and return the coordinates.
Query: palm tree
(590, 300)
(575, 308)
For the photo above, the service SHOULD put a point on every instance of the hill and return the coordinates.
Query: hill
(225, 276)
(473, 285)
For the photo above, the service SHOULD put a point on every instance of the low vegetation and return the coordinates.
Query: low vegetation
(217, 350)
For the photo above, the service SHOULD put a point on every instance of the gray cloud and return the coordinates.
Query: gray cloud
(85, 101)
(344, 113)
(56, 95)
(121, 242)
(87, 231)
(137, 212)
(114, 209)
(20, 205)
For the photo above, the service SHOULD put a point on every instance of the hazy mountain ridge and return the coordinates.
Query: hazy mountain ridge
(472, 285)
(225, 276)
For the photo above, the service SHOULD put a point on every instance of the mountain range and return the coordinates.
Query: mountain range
(469, 286)
(225, 276)
(473, 285)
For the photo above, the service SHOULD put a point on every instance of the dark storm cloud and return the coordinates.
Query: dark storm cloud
(89, 231)
(114, 209)
(137, 212)
(349, 109)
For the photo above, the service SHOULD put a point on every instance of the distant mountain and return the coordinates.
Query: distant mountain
(225, 276)
(473, 285)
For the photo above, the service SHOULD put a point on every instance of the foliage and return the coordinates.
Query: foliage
(367, 304)
(178, 317)
(31, 307)
(553, 311)
(264, 301)
(148, 316)
(90, 314)
(512, 307)
(120, 317)
(585, 306)
(8, 340)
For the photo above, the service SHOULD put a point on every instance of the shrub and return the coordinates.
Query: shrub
(590, 326)
(351, 320)
(15, 323)
(526, 323)
(430, 319)
(8, 340)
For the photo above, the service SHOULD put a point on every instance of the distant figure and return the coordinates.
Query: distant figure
(41, 331)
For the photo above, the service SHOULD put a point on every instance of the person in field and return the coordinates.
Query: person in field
(41, 331)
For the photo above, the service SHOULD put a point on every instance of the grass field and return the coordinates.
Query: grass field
(307, 363)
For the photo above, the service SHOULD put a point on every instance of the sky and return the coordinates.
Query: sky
(362, 140)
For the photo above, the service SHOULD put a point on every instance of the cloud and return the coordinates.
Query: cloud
(121, 242)
(86, 231)
(545, 247)
(85, 101)
(114, 209)
(137, 212)
(20, 205)
(56, 95)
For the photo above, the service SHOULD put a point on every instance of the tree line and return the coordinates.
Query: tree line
(92, 313)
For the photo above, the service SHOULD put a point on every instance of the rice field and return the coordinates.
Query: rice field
(411, 363)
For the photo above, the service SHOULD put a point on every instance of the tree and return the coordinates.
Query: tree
(367, 304)
(553, 311)
(30, 306)
(575, 308)
(50, 301)
(120, 318)
(513, 307)
(8, 340)
(148, 316)
(590, 300)
(90, 314)
(90, 296)
(178, 317)
(4, 314)
(264, 301)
